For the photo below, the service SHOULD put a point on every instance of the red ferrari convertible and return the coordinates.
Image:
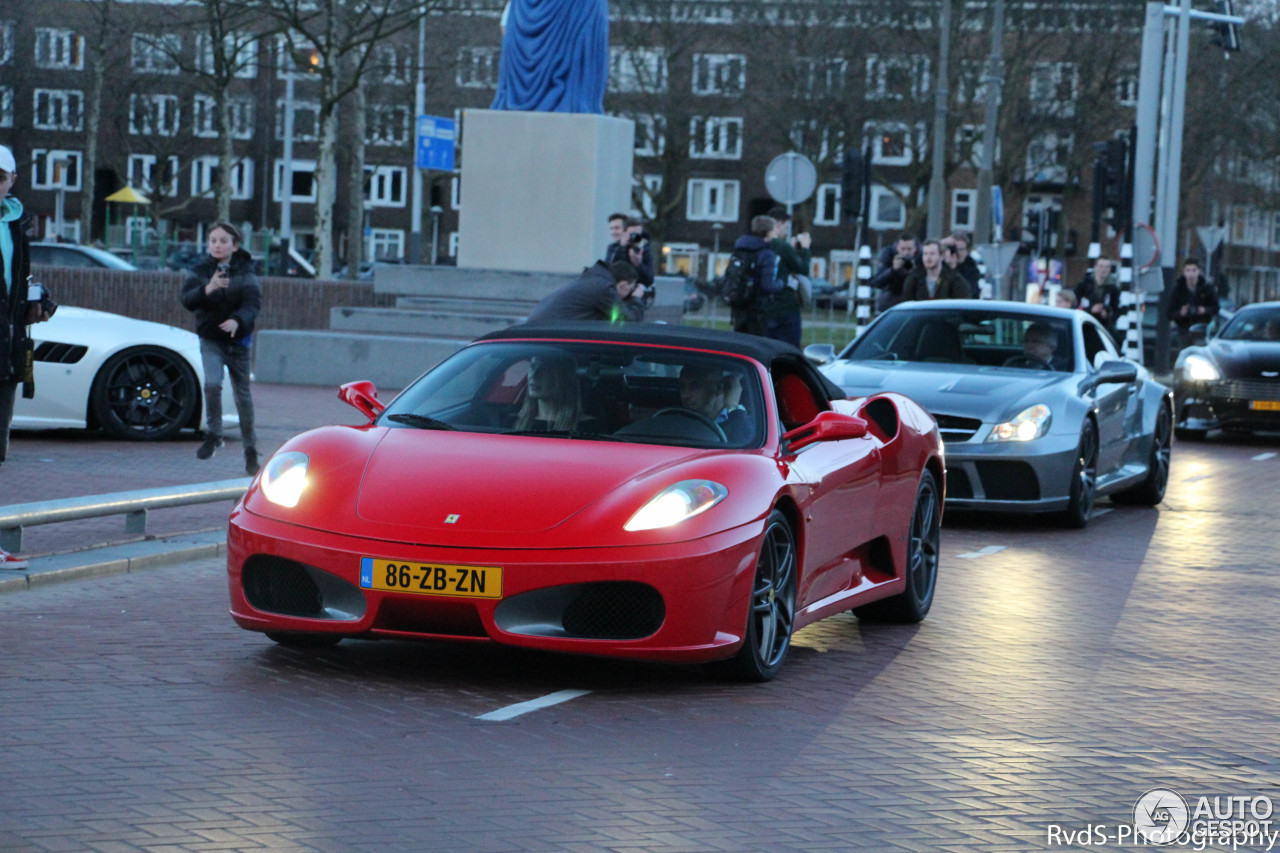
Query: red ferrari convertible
(639, 491)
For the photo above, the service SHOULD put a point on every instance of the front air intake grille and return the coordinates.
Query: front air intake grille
(958, 485)
(1009, 481)
(276, 585)
(614, 611)
(1247, 389)
(954, 429)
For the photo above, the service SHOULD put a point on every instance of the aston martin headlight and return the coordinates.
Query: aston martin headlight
(284, 478)
(1200, 369)
(677, 502)
(1030, 423)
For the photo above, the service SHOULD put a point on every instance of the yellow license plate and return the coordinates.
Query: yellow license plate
(431, 578)
(1265, 405)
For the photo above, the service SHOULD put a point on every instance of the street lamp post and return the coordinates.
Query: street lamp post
(436, 210)
(286, 190)
(419, 107)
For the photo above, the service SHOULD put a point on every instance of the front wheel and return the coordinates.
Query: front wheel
(1084, 479)
(923, 546)
(1151, 490)
(771, 614)
(144, 394)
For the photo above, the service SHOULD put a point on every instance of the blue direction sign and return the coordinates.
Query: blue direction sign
(435, 143)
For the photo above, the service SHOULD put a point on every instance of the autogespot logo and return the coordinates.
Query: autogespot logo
(1160, 816)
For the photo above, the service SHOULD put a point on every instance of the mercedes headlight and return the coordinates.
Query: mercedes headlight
(284, 478)
(676, 503)
(1032, 422)
(1197, 368)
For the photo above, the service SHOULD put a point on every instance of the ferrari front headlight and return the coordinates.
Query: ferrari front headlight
(1200, 369)
(284, 478)
(1032, 422)
(676, 503)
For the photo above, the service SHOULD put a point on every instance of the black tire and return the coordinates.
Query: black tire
(771, 613)
(923, 546)
(304, 641)
(144, 394)
(1151, 490)
(1084, 479)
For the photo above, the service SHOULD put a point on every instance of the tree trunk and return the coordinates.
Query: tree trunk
(326, 182)
(226, 157)
(355, 183)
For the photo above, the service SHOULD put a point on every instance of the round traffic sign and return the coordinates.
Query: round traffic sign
(790, 178)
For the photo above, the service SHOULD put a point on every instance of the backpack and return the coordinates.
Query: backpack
(738, 284)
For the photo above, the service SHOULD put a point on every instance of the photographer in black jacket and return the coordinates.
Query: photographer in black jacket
(630, 244)
(895, 264)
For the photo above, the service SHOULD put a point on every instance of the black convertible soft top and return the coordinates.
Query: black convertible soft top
(764, 350)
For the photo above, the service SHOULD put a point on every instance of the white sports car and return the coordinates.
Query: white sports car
(135, 379)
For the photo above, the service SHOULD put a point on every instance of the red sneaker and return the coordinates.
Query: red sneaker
(8, 561)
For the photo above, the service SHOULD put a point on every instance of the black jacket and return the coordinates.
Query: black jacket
(618, 252)
(591, 296)
(242, 298)
(1204, 296)
(1089, 293)
(13, 305)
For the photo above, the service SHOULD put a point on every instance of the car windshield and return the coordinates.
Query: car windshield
(1254, 324)
(967, 336)
(591, 391)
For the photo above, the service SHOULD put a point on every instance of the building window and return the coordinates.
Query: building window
(455, 192)
(680, 258)
(304, 181)
(306, 120)
(712, 201)
(962, 203)
(156, 53)
(144, 177)
(59, 49)
(1053, 88)
(295, 58)
(644, 194)
(719, 74)
(478, 67)
(1047, 155)
(641, 69)
(453, 244)
(55, 170)
(822, 142)
(897, 78)
(828, 207)
(651, 133)
(387, 124)
(887, 207)
(385, 185)
(204, 118)
(1127, 86)
(386, 244)
(971, 82)
(59, 109)
(820, 77)
(891, 143)
(6, 42)
(715, 138)
(240, 48)
(204, 177)
(6, 106)
(153, 115)
(391, 65)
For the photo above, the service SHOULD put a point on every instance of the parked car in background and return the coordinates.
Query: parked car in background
(1232, 381)
(73, 255)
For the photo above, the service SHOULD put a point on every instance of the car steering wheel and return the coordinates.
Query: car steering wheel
(1028, 361)
(697, 416)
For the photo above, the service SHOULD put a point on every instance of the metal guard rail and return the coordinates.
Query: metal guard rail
(133, 505)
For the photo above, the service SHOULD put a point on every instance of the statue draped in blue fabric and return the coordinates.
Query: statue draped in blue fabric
(555, 56)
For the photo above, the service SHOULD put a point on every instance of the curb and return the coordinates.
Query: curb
(115, 560)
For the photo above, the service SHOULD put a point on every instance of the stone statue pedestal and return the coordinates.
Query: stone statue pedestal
(538, 187)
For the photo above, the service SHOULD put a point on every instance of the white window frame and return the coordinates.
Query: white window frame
(154, 53)
(299, 167)
(385, 244)
(1045, 85)
(966, 201)
(972, 136)
(387, 125)
(881, 67)
(453, 244)
(288, 48)
(245, 54)
(1047, 155)
(651, 133)
(388, 185)
(305, 108)
(391, 65)
(712, 200)
(715, 138)
(204, 170)
(723, 74)
(162, 114)
(6, 106)
(640, 69)
(477, 67)
(455, 192)
(6, 42)
(881, 194)
(59, 48)
(827, 210)
(204, 111)
(876, 132)
(141, 174)
(821, 141)
(66, 103)
(644, 188)
(1127, 86)
(821, 76)
(46, 174)
(674, 253)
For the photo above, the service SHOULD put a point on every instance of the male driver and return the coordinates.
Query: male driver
(603, 292)
(718, 397)
(933, 279)
(18, 312)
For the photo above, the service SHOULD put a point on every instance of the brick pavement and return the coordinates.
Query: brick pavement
(1054, 682)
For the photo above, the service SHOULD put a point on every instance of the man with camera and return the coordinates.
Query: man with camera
(896, 263)
(23, 303)
(630, 244)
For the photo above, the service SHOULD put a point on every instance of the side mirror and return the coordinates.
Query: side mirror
(820, 354)
(1117, 373)
(363, 396)
(827, 426)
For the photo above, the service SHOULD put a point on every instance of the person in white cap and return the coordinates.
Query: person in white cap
(19, 311)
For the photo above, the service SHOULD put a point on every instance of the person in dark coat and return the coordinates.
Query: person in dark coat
(1099, 294)
(895, 262)
(782, 312)
(607, 292)
(223, 292)
(630, 244)
(750, 319)
(966, 266)
(932, 279)
(1194, 300)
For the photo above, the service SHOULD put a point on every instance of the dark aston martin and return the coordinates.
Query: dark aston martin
(1233, 381)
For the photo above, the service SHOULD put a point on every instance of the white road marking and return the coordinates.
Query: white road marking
(1262, 457)
(982, 552)
(1197, 478)
(533, 705)
(1102, 511)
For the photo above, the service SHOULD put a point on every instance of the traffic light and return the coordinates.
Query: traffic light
(1113, 157)
(853, 180)
(1226, 35)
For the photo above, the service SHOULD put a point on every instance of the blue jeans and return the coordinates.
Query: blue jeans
(235, 357)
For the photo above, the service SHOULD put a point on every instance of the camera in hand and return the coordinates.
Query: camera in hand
(638, 238)
(224, 268)
(906, 264)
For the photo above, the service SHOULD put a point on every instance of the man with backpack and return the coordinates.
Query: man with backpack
(750, 277)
